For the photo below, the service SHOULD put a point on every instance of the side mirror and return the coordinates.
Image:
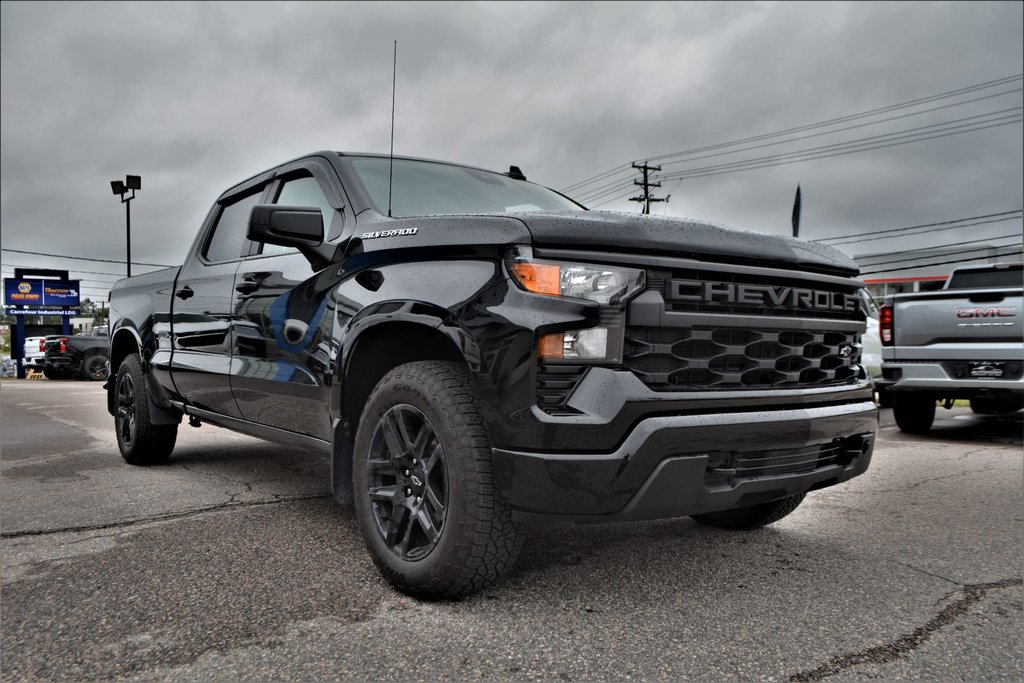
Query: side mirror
(287, 226)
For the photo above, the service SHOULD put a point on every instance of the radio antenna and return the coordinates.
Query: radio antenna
(391, 168)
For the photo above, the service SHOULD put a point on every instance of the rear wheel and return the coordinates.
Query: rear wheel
(753, 517)
(914, 413)
(94, 366)
(140, 441)
(424, 486)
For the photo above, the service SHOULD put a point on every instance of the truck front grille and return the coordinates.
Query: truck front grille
(674, 359)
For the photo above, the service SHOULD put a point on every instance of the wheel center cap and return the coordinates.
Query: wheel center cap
(416, 480)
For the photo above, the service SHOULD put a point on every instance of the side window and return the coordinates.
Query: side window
(229, 233)
(301, 192)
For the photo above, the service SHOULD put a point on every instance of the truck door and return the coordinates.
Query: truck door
(284, 355)
(202, 307)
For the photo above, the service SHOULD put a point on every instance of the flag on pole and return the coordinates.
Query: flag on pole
(796, 213)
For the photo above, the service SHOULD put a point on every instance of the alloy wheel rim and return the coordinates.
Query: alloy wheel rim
(408, 487)
(126, 409)
(97, 368)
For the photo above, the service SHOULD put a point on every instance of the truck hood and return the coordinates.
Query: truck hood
(607, 230)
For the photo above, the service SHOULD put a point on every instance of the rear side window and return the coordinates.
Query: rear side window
(229, 233)
(981, 279)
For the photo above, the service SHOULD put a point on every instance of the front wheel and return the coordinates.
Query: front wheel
(752, 517)
(424, 486)
(141, 442)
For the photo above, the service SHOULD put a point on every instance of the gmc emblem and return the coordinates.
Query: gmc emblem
(1002, 312)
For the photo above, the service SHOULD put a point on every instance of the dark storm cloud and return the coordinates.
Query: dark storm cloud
(197, 96)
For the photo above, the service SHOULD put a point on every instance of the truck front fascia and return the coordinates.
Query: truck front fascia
(679, 465)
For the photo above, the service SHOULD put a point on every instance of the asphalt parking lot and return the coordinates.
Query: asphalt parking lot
(233, 563)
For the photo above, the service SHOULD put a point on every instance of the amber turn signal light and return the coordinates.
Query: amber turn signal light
(540, 278)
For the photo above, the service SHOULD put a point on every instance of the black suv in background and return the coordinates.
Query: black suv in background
(475, 352)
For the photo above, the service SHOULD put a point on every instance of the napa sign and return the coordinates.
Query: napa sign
(38, 293)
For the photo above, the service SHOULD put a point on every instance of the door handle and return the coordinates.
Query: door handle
(184, 293)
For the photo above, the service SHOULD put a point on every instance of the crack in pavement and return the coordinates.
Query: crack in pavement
(278, 498)
(928, 573)
(908, 642)
(922, 482)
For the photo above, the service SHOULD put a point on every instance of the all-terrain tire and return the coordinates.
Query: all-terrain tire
(752, 517)
(94, 366)
(914, 413)
(141, 442)
(473, 540)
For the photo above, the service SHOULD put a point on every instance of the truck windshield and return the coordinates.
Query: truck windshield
(1012, 276)
(425, 188)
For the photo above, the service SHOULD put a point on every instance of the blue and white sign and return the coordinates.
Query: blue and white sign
(36, 292)
(61, 293)
(63, 312)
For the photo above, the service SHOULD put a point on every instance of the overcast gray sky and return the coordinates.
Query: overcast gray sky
(195, 97)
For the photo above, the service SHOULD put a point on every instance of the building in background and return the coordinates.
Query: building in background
(925, 269)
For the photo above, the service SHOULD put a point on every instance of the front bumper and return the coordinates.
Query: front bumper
(679, 465)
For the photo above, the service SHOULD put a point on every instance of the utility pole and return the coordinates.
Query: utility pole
(647, 185)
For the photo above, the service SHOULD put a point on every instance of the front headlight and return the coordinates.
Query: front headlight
(603, 284)
(610, 286)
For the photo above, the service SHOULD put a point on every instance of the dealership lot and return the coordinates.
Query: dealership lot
(232, 562)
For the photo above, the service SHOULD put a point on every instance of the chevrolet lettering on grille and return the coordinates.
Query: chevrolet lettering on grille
(763, 296)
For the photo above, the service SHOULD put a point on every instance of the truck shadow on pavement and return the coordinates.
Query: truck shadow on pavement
(961, 424)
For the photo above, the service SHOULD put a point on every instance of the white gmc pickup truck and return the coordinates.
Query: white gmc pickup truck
(965, 341)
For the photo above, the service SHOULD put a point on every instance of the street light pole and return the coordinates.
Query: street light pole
(128, 234)
(133, 183)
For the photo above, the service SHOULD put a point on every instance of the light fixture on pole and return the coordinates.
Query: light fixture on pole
(133, 183)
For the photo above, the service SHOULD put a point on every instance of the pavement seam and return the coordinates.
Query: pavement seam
(908, 642)
(230, 505)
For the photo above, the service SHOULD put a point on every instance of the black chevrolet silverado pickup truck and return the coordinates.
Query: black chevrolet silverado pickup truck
(80, 356)
(475, 352)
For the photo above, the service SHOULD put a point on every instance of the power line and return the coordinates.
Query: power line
(917, 134)
(810, 126)
(592, 179)
(827, 151)
(601, 188)
(925, 232)
(836, 154)
(941, 263)
(922, 258)
(921, 225)
(943, 246)
(851, 117)
(83, 258)
(862, 125)
(73, 270)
